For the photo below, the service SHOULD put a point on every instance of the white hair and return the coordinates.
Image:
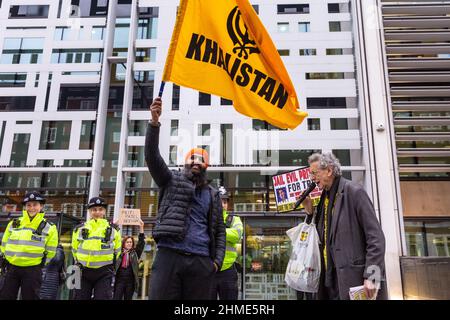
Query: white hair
(327, 160)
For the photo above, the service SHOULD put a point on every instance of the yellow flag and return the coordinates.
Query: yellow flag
(222, 48)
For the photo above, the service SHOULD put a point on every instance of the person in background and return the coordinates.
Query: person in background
(29, 242)
(127, 266)
(225, 286)
(53, 276)
(95, 246)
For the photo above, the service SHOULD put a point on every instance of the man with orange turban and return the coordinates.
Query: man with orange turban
(189, 229)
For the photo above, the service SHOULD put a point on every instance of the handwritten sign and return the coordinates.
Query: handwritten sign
(289, 186)
(129, 217)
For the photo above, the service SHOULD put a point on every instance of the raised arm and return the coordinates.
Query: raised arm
(156, 165)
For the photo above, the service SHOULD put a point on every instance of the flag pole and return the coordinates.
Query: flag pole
(161, 89)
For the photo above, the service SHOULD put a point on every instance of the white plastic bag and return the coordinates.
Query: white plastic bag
(303, 270)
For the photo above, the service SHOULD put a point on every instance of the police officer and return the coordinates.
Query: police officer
(28, 244)
(95, 246)
(226, 281)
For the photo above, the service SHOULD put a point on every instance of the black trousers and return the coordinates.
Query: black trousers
(28, 279)
(97, 282)
(178, 276)
(124, 288)
(331, 292)
(225, 285)
(305, 295)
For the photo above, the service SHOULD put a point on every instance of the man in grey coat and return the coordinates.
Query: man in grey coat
(352, 243)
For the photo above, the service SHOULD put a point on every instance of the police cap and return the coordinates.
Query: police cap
(33, 196)
(97, 202)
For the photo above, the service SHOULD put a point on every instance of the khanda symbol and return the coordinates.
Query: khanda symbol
(238, 32)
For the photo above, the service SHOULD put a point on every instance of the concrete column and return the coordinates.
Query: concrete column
(127, 104)
(374, 96)
(102, 113)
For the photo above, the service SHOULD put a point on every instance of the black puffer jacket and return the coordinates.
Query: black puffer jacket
(175, 198)
(51, 276)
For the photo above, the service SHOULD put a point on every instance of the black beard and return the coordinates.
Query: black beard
(199, 179)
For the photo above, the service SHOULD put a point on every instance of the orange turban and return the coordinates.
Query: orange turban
(198, 152)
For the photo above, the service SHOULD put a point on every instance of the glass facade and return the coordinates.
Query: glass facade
(428, 237)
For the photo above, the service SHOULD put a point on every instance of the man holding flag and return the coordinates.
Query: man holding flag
(189, 229)
(221, 48)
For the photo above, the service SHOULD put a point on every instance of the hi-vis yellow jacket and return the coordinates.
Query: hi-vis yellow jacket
(235, 230)
(26, 242)
(92, 246)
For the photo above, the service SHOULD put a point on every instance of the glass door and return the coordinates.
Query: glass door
(267, 251)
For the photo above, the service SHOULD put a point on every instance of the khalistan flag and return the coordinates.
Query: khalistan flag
(222, 48)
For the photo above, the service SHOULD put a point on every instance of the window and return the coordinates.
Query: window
(334, 52)
(74, 209)
(204, 129)
(285, 157)
(121, 32)
(77, 56)
(22, 50)
(97, 33)
(110, 208)
(23, 103)
(226, 143)
(256, 7)
(114, 163)
(12, 79)
(204, 99)
(333, 8)
(307, 52)
(304, 27)
(55, 135)
(335, 26)
(263, 125)
(326, 103)
(343, 156)
(148, 23)
(339, 124)
(80, 97)
(226, 102)
(62, 33)
(283, 27)
(82, 181)
(338, 7)
(173, 155)
(116, 137)
(313, 124)
(283, 52)
(145, 54)
(89, 8)
(174, 127)
(33, 182)
(175, 97)
(292, 8)
(51, 135)
(28, 11)
(324, 75)
(427, 238)
(143, 95)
